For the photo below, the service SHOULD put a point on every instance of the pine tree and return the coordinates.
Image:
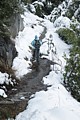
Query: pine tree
(8, 8)
(72, 71)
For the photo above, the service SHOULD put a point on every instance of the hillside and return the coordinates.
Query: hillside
(56, 78)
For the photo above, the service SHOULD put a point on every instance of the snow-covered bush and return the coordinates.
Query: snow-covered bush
(60, 10)
(38, 8)
(72, 68)
(62, 22)
(31, 8)
(74, 10)
(67, 35)
(72, 72)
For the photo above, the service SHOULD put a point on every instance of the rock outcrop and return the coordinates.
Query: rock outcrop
(7, 53)
(16, 24)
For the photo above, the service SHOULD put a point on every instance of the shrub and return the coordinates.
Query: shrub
(72, 8)
(72, 72)
(67, 35)
(72, 68)
(39, 9)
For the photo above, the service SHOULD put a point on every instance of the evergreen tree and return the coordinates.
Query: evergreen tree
(26, 1)
(7, 9)
(72, 71)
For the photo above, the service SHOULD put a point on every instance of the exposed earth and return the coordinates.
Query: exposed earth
(19, 96)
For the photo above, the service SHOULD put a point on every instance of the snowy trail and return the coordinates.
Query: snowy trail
(29, 83)
(55, 103)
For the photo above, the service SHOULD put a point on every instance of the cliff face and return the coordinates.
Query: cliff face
(10, 24)
(16, 25)
(7, 46)
(7, 53)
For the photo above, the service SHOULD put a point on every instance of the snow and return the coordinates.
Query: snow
(42, 0)
(62, 22)
(77, 12)
(2, 93)
(39, 3)
(59, 13)
(56, 103)
(33, 10)
(4, 78)
(23, 41)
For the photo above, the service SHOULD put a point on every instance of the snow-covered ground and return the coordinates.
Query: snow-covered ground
(56, 103)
